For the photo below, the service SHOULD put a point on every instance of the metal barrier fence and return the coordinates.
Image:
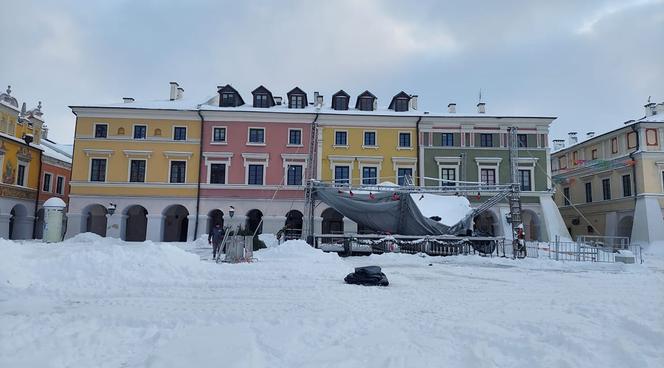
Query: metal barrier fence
(351, 244)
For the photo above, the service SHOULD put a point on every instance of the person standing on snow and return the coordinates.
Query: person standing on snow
(215, 238)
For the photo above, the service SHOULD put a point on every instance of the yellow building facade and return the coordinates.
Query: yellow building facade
(125, 156)
(20, 169)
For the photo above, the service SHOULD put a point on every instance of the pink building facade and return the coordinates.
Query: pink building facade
(255, 164)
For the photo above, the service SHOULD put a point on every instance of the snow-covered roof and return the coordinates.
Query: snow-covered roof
(205, 105)
(52, 150)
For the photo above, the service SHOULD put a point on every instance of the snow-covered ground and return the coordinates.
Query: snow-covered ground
(94, 302)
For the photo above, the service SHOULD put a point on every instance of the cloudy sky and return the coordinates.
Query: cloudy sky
(591, 63)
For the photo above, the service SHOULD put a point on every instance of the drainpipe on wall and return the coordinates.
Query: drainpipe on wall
(200, 161)
(39, 184)
(631, 156)
(417, 147)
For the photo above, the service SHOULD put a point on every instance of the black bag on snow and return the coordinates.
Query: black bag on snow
(367, 276)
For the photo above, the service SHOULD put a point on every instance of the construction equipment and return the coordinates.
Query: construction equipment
(514, 198)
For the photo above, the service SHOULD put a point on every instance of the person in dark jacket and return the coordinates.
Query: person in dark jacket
(215, 238)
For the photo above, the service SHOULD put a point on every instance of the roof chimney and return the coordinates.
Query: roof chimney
(127, 99)
(277, 100)
(319, 100)
(481, 108)
(180, 93)
(650, 109)
(316, 94)
(573, 139)
(413, 102)
(558, 144)
(451, 108)
(590, 134)
(174, 90)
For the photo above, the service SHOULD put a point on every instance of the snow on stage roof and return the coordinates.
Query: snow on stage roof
(450, 209)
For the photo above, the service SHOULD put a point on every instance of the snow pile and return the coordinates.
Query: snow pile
(270, 240)
(89, 261)
(94, 302)
(450, 209)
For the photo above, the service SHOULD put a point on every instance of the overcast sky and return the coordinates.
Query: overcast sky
(592, 64)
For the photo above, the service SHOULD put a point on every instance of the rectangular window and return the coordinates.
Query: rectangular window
(256, 135)
(448, 139)
(525, 180)
(295, 137)
(20, 176)
(614, 145)
(401, 104)
(180, 134)
(369, 175)
(137, 171)
(370, 139)
(448, 177)
(404, 139)
(366, 104)
(340, 138)
(219, 135)
(297, 101)
(594, 154)
(627, 185)
(523, 140)
(178, 171)
(341, 103)
(566, 196)
(575, 158)
(140, 131)
(59, 185)
(402, 172)
(589, 192)
(486, 140)
(342, 174)
(101, 130)
(98, 169)
(260, 100)
(488, 176)
(294, 176)
(255, 175)
(47, 182)
(228, 99)
(217, 173)
(606, 189)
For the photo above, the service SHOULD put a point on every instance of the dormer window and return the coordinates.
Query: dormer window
(229, 97)
(366, 104)
(263, 97)
(296, 102)
(400, 102)
(340, 100)
(365, 101)
(297, 98)
(260, 100)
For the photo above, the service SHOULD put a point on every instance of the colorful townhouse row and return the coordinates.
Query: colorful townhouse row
(168, 170)
(613, 184)
(33, 169)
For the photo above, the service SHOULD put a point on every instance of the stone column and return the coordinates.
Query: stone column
(272, 224)
(153, 231)
(114, 225)
(190, 227)
(73, 225)
(349, 226)
(4, 226)
(648, 224)
(611, 223)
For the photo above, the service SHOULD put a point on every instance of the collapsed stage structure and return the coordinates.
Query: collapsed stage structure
(393, 214)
